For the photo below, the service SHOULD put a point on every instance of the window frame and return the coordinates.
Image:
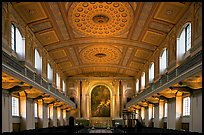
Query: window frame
(142, 81)
(151, 72)
(17, 107)
(162, 69)
(165, 109)
(186, 106)
(35, 110)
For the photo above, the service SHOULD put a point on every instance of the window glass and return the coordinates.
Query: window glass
(151, 73)
(165, 109)
(64, 86)
(15, 106)
(49, 72)
(163, 61)
(143, 80)
(186, 106)
(137, 86)
(38, 60)
(35, 110)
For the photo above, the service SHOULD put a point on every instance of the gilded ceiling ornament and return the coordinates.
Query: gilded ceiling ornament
(100, 54)
(103, 18)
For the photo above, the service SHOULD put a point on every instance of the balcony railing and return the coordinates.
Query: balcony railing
(190, 63)
(13, 63)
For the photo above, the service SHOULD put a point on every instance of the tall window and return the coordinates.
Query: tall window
(35, 110)
(48, 112)
(165, 109)
(38, 61)
(17, 41)
(57, 80)
(153, 112)
(186, 106)
(15, 106)
(49, 72)
(163, 61)
(63, 86)
(143, 80)
(184, 41)
(137, 86)
(151, 72)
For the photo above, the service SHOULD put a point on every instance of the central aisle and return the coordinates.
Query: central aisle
(100, 131)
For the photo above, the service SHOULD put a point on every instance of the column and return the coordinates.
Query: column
(54, 116)
(27, 112)
(150, 106)
(146, 116)
(67, 117)
(51, 115)
(196, 112)
(59, 117)
(156, 115)
(117, 102)
(178, 111)
(45, 115)
(7, 125)
(161, 114)
(64, 117)
(171, 115)
(40, 113)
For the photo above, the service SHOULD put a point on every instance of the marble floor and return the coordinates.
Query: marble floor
(100, 131)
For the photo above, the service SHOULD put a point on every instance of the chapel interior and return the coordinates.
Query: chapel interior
(113, 67)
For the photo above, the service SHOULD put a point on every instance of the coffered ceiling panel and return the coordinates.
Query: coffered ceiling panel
(40, 26)
(31, 11)
(142, 54)
(65, 65)
(153, 37)
(60, 53)
(170, 11)
(47, 37)
(136, 65)
(160, 26)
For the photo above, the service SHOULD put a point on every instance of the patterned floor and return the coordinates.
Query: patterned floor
(100, 131)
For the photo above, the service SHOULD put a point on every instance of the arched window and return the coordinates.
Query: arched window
(137, 86)
(49, 72)
(163, 60)
(165, 109)
(151, 72)
(63, 86)
(58, 81)
(17, 42)
(38, 61)
(143, 80)
(184, 41)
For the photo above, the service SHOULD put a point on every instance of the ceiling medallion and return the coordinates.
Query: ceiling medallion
(100, 54)
(100, 19)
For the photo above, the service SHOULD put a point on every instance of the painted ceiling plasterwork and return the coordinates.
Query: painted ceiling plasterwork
(100, 19)
(90, 38)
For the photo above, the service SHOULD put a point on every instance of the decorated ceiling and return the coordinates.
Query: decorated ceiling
(90, 38)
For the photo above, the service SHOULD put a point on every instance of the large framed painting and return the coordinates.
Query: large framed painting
(100, 101)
